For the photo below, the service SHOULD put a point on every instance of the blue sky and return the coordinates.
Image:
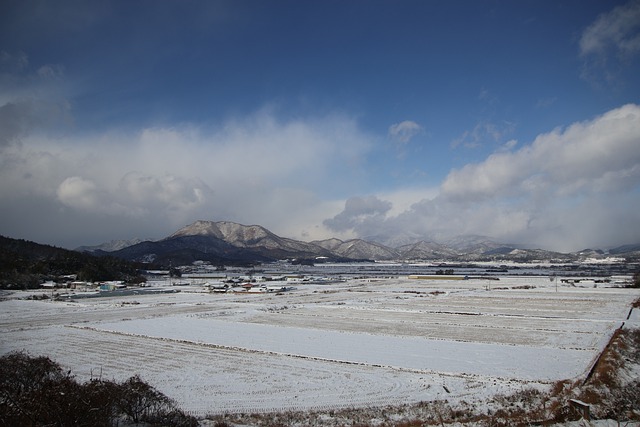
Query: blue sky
(394, 120)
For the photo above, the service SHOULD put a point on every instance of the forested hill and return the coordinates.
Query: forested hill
(25, 264)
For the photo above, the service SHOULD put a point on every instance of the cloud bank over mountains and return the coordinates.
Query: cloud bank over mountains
(355, 138)
(254, 170)
(568, 189)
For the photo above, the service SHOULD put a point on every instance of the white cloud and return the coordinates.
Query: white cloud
(482, 133)
(610, 43)
(145, 194)
(618, 29)
(402, 199)
(50, 71)
(360, 214)
(563, 161)
(254, 170)
(568, 189)
(80, 193)
(509, 145)
(404, 131)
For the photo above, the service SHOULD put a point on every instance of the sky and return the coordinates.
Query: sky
(396, 121)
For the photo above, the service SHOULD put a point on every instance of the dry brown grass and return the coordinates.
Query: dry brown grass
(604, 374)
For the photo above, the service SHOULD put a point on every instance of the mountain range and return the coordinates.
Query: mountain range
(229, 243)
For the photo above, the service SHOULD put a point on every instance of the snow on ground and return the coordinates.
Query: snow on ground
(410, 353)
(352, 344)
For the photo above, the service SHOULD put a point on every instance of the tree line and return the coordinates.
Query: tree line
(25, 265)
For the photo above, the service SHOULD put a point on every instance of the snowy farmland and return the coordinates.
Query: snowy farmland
(324, 346)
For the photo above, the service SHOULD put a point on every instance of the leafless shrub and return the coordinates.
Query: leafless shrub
(35, 391)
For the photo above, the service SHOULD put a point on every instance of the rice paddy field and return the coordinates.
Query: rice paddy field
(356, 343)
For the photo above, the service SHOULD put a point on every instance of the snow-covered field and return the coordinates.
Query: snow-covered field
(352, 344)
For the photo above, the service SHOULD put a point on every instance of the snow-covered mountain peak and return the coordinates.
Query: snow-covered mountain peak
(329, 244)
(199, 228)
(110, 246)
(236, 233)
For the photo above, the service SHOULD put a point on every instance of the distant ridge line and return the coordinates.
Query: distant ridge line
(227, 241)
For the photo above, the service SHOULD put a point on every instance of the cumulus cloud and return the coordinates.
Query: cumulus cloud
(145, 194)
(153, 180)
(360, 214)
(80, 193)
(568, 189)
(564, 162)
(250, 170)
(136, 195)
